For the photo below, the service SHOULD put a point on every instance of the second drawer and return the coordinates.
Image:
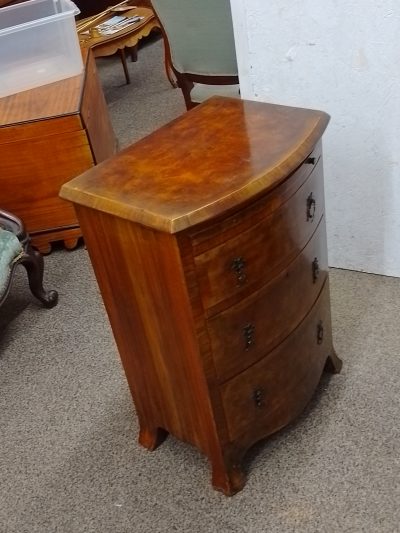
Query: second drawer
(244, 333)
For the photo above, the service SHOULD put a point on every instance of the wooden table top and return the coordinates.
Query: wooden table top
(47, 101)
(86, 41)
(207, 161)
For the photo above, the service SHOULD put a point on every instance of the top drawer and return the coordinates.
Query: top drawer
(252, 257)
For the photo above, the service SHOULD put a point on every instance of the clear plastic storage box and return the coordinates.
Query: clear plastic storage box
(38, 44)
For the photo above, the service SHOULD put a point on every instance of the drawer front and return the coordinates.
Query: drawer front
(244, 333)
(254, 256)
(275, 390)
(226, 228)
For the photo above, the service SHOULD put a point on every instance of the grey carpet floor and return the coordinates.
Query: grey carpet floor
(69, 458)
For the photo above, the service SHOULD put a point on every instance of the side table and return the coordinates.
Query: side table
(48, 135)
(128, 37)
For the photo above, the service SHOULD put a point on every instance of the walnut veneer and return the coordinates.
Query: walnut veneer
(208, 242)
(48, 135)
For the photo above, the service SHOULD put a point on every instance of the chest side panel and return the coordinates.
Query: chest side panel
(141, 280)
(95, 116)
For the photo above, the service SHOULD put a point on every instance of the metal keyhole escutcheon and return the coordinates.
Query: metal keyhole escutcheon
(320, 332)
(258, 397)
(237, 266)
(311, 205)
(315, 270)
(248, 333)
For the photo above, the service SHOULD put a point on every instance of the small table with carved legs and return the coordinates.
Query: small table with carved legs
(126, 38)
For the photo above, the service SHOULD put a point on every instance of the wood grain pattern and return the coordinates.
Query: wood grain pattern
(105, 45)
(48, 101)
(157, 356)
(263, 247)
(194, 179)
(95, 117)
(32, 173)
(42, 150)
(271, 313)
(25, 131)
(207, 236)
(283, 393)
(177, 322)
(68, 235)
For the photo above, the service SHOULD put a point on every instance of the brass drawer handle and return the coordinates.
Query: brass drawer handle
(248, 333)
(311, 205)
(258, 397)
(315, 270)
(237, 266)
(320, 332)
(310, 161)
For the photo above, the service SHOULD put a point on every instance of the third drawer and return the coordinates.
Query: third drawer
(275, 390)
(245, 332)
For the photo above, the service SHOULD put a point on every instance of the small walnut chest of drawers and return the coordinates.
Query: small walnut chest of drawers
(208, 243)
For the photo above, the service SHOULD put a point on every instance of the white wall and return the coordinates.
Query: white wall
(341, 56)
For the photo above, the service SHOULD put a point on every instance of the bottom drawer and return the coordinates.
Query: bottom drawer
(271, 393)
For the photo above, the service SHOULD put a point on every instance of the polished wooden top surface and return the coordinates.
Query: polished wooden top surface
(213, 158)
(87, 41)
(47, 101)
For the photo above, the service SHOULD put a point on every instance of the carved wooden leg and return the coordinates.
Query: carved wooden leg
(124, 65)
(227, 476)
(168, 63)
(186, 87)
(151, 438)
(333, 363)
(33, 262)
(134, 53)
(170, 74)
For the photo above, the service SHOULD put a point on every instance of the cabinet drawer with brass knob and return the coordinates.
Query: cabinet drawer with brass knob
(267, 395)
(252, 257)
(225, 228)
(243, 333)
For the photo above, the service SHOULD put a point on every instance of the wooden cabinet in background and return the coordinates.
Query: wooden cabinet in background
(208, 242)
(48, 135)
